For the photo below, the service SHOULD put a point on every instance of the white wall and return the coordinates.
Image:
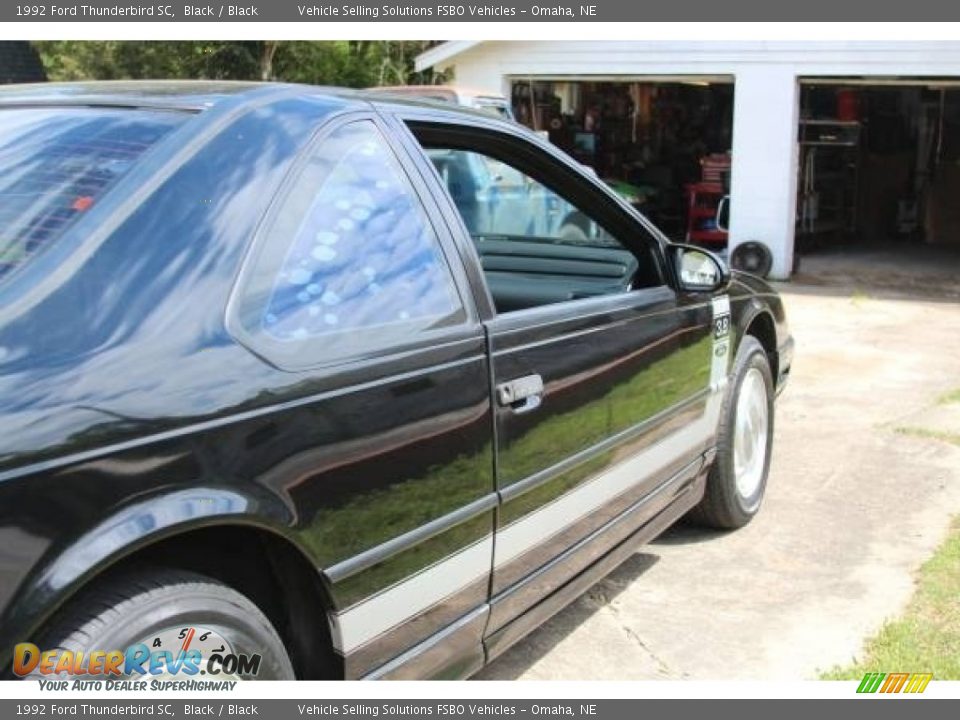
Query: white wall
(763, 203)
(763, 192)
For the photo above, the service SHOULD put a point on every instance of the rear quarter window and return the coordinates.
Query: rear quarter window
(348, 262)
(58, 163)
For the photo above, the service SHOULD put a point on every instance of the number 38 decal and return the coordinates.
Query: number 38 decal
(721, 326)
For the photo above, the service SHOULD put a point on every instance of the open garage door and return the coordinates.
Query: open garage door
(662, 142)
(879, 173)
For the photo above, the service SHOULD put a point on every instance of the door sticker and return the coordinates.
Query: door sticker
(721, 342)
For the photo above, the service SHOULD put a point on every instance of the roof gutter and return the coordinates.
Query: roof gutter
(442, 53)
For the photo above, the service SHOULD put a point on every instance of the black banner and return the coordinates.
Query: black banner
(474, 709)
(322, 11)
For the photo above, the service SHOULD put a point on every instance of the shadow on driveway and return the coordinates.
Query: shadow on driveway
(518, 659)
(526, 653)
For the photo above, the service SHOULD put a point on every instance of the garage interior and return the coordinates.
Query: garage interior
(662, 143)
(879, 167)
(878, 158)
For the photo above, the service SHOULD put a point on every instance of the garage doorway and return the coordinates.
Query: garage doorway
(663, 143)
(879, 170)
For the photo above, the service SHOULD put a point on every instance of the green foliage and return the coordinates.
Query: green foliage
(353, 63)
(929, 434)
(950, 398)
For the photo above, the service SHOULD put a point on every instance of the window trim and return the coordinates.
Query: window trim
(555, 161)
(277, 352)
(466, 253)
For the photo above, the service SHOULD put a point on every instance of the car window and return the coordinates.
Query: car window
(535, 246)
(57, 163)
(496, 198)
(350, 258)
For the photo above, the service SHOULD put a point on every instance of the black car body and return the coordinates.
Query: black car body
(403, 486)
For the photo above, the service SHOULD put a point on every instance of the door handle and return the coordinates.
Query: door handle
(521, 395)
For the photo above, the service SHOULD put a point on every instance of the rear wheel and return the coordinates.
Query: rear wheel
(171, 611)
(738, 478)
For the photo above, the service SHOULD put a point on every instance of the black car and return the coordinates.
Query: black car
(276, 382)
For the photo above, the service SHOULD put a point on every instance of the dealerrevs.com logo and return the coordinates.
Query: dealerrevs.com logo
(184, 652)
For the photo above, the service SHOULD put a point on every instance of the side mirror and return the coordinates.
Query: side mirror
(723, 214)
(699, 270)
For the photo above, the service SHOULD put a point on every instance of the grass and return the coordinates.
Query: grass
(950, 398)
(927, 637)
(952, 438)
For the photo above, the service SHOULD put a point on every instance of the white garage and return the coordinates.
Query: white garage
(810, 128)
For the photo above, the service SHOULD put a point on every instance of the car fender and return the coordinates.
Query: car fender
(750, 309)
(745, 313)
(129, 529)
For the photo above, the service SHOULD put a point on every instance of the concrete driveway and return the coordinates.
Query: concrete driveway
(853, 508)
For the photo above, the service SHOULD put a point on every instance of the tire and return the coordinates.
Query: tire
(138, 606)
(572, 232)
(752, 257)
(726, 503)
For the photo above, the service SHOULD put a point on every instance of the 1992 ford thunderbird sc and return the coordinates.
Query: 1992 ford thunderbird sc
(322, 377)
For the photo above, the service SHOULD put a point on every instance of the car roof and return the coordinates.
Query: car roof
(445, 90)
(188, 95)
(195, 95)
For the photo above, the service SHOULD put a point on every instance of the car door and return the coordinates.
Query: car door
(601, 370)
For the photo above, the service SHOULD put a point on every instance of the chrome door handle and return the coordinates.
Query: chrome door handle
(521, 395)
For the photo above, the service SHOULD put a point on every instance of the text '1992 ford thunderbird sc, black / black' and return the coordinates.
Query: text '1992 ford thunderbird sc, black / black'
(336, 385)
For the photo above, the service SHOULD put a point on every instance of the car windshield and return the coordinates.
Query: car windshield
(57, 163)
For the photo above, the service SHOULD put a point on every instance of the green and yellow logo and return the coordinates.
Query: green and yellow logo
(894, 682)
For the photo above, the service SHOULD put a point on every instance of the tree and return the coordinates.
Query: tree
(350, 63)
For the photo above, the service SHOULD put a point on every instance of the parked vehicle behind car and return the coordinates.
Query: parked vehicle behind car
(273, 383)
(493, 197)
(465, 97)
